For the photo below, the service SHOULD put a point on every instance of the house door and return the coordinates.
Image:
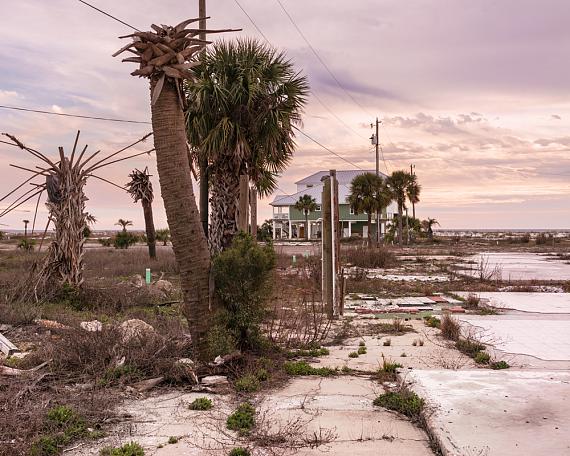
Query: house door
(302, 231)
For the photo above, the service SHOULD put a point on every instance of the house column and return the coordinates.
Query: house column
(290, 230)
(274, 230)
(349, 228)
(309, 230)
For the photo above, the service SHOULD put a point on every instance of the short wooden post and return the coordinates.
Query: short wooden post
(243, 213)
(253, 208)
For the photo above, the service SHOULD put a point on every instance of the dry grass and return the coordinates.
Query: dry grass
(450, 327)
(368, 257)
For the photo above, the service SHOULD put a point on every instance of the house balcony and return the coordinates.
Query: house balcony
(282, 216)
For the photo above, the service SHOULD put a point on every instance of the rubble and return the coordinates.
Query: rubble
(135, 328)
(91, 326)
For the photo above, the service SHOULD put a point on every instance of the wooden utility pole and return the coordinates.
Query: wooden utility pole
(327, 291)
(243, 210)
(377, 145)
(203, 161)
(253, 208)
(412, 166)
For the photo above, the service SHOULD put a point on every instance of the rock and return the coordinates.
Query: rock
(185, 361)
(137, 281)
(91, 326)
(146, 385)
(164, 286)
(135, 328)
(215, 380)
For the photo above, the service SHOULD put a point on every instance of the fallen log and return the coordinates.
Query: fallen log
(11, 372)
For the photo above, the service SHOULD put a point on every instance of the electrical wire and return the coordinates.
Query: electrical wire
(39, 111)
(252, 21)
(108, 15)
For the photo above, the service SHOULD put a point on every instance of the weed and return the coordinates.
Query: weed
(497, 365)
(242, 420)
(346, 370)
(247, 384)
(239, 452)
(128, 449)
(201, 403)
(450, 327)
(403, 355)
(482, 357)
(172, 440)
(432, 321)
(405, 402)
(362, 344)
(361, 350)
(398, 325)
(262, 374)
(312, 353)
(469, 347)
(303, 368)
(414, 343)
(387, 342)
(421, 342)
(365, 257)
(353, 355)
(389, 367)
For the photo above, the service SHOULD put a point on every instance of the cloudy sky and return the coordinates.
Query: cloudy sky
(476, 94)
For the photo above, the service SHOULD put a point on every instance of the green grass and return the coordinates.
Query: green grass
(482, 357)
(469, 347)
(361, 350)
(239, 452)
(303, 368)
(406, 402)
(353, 355)
(247, 384)
(201, 403)
(432, 322)
(311, 353)
(498, 365)
(242, 420)
(128, 449)
(389, 367)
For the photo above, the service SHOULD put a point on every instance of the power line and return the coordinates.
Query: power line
(323, 63)
(252, 21)
(108, 15)
(39, 111)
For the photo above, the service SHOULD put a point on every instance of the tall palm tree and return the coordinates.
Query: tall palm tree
(413, 193)
(124, 223)
(398, 183)
(306, 204)
(26, 227)
(428, 225)
(166, 71)
(369, 194)
(163, 235)
(140, 188)
(243, 111)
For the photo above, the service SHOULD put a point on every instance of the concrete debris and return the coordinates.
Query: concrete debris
(164, 286)
(215, 380)
(7, 347)
(186, 362)
(135, 328)
(137, 281)
(146, 385)
(91, 326)
(50, 324)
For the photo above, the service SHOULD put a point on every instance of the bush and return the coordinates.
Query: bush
(405, 402)
(124, 239)
(497, 365)
(27, 244)
(389, 367)
(303, 368)
(361, 350)
(450, 327)
(482, 357)
(128, 449)
(242, 420)
(247, 384)
(239, 452)
(432, 321)
(172, 440)
(242, 276)
(369, 257)
(469, 347)
(387, 342)
(201, 403)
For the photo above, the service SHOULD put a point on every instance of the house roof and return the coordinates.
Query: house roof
(315, 192)
(343, 176)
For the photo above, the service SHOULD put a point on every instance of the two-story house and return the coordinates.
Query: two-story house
(289, 223)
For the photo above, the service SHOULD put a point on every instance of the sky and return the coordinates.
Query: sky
(475, 94)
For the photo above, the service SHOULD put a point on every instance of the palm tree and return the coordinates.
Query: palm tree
(166, 71)
(398, 183)
(243, 112)
(163, 235)
(428, 225)
(306, 204)
(368, 194)
(413, 193)
(140, 188)
(26, 228)
(124, 224)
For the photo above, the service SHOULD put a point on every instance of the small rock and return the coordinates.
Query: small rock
(91, 326)
(214, 380)
(135, 328)
(164, 286)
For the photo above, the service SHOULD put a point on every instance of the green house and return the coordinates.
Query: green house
(289, 223)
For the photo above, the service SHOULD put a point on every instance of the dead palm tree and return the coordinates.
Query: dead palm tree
(26, 227)
(398, 183)
(124, 223)
(164, 58)
(140, 188)
(368, 194)
(306, 204)
(244, 108)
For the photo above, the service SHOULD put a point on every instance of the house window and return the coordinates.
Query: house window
(279, 209)
(318, 209)
(351, 211)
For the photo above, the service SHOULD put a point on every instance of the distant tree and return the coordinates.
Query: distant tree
(265, 231)
(428, 225)
(26, 227)
(124, 224)
(413, 193)
(369, 194)
(398, 183)
(306, 204)
(140, 189)
(89, 220)
(163, 235)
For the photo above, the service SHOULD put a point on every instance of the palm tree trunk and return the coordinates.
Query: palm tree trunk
(400, 227)
(188, 240)
(369, 229)
(224, 204)
(306, 226)
(149, 226)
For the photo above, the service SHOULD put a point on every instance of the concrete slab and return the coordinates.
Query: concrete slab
(498, 413)
(550, 303)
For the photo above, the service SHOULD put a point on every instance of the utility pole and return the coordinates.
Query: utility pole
(412, 167)
(376, 143)
(203, 161)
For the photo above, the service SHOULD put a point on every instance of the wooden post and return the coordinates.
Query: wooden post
(337, 230)
(253, 207)
(243, 213)
(327, 250)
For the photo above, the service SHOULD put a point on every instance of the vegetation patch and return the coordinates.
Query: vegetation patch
(498, 365)
(469, 347)
(353, 355)
(405, 402)
(387, 342)
(432, 321)
(247, 384)
(312, 352)
(242, 420)
(482, 357)
(128, 449)
(201, 403)
(303, 368)
(239, 452)
(361, 350)
(450, 327)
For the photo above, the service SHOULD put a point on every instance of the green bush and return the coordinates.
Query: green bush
(27, 244)
(405, 402)
(362, 344)
(482, 357)
(201, 403)
(432, 321)
(247, 384)
(361, 350)
(353, 355)
(124, 239)
(62, 426)
(242, 420)
(262, 374)
(303, 368)
(389, 367)
(239, 452)
(172, 440)
(242, 276)
(128, 449)
(469, 347)
(497, 365)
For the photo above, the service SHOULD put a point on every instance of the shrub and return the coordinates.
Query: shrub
(124, 239)
(472, 301)
(128, 449)
(369, 257)
(27, 244)
(450, 327)
(405, 402)
(387, 342)
(242, 276)
(469, 347)
(353, 355)
(239, 452)
(482, 357)
(403, 355)
(262, 374)
(432, 321)
(62, 426)
(201, 403)
(106, 242)
(303, 368)
(242, 420)
(362, 344)
(172, 440)
(361, 350)
(247, 384)
(497, 365)
(389, 367)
